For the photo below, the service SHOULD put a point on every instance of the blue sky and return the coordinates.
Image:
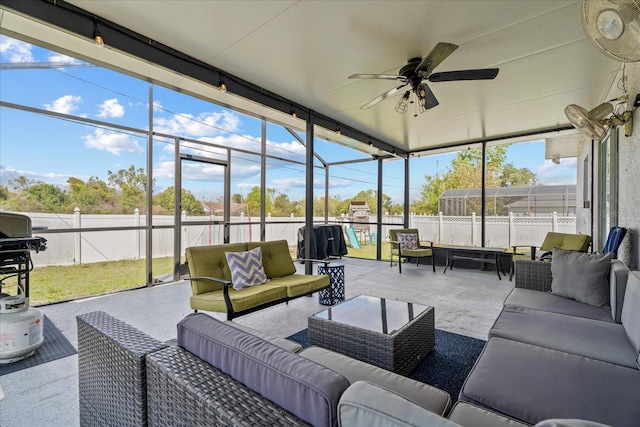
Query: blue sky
(51, 150)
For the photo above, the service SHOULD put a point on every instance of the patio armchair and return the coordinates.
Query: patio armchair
(405, 243)
(567, 241)
(614, 239)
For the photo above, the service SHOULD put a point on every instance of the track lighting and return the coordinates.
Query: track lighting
(97, 37)
(338, 129)
(293, 113)
(222, 86)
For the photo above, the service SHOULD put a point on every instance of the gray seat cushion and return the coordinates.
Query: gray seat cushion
(546, 301)
(304, 388)
(431, 398)
(605, 341)
(531, 384)
(468, 415)
(366, 404)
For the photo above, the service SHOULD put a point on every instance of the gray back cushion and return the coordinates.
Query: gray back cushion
(631, 311)
(581, 276)
(304, 388)
(618, 273)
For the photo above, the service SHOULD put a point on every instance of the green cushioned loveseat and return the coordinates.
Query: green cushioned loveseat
(212, 288)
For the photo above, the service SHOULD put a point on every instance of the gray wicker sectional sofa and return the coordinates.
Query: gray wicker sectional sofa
(552, 356)
(549, 360)
(127, 378)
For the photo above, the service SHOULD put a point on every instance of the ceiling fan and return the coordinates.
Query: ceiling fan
(417, 71)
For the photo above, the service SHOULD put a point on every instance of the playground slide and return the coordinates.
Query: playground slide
(353, 239)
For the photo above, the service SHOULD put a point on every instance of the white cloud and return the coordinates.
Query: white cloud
(114, 143)
(282, 185)
(111, 109)
(10, 173)
(205, 124)
(57, 57)
(14, 50)
(550, 173)
(203, 172)
(66, 104)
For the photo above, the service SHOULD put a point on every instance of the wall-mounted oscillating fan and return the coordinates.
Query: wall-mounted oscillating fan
(596, 122)
(613, 27)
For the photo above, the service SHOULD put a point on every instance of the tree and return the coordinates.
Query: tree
(188, 202)
(132, 183)
(252, 201)
(283, 206)
(4, 193)
(47, 198)
(515, 177)
(466, 172)
(93, 196)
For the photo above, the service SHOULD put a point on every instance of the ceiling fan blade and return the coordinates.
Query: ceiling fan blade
(435, 57)
(449, 76)
(385, 95)
(430, 101)
(379, 76)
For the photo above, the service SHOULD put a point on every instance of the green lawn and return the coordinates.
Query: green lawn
(369, 251)
(61, 283)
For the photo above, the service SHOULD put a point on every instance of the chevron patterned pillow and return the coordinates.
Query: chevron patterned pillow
(246, 268)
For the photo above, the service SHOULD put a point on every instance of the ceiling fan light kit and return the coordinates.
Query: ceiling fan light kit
(419, 70)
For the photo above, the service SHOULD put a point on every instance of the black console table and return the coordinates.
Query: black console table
(484, 256)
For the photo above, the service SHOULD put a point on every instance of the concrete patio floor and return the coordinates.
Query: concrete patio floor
(466, 302)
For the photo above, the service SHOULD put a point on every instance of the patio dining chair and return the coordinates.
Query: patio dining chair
(567, 241)
(405, 243)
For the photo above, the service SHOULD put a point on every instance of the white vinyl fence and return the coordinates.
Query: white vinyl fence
(69, 243)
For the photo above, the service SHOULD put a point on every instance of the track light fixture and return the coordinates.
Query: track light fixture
(293, 113)
(97, 37)
(338, 129)
(222, 86)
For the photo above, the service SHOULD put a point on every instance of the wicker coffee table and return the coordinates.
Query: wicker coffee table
(394, 335)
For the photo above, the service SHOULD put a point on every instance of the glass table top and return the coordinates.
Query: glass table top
(381, 315)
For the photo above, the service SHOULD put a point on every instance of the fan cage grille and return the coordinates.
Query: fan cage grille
(627, 47)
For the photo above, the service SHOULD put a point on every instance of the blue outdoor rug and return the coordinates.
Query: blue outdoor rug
(55, 346)
(446, 367)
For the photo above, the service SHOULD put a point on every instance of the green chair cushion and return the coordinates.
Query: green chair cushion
(302, 284)
(242, 299)
(417, 252)
(570, 242)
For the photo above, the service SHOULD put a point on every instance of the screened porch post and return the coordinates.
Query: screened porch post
(308, 231)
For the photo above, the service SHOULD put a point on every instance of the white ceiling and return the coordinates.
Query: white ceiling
(305, 50)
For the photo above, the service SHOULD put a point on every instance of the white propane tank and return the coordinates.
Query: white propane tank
(21, 329)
